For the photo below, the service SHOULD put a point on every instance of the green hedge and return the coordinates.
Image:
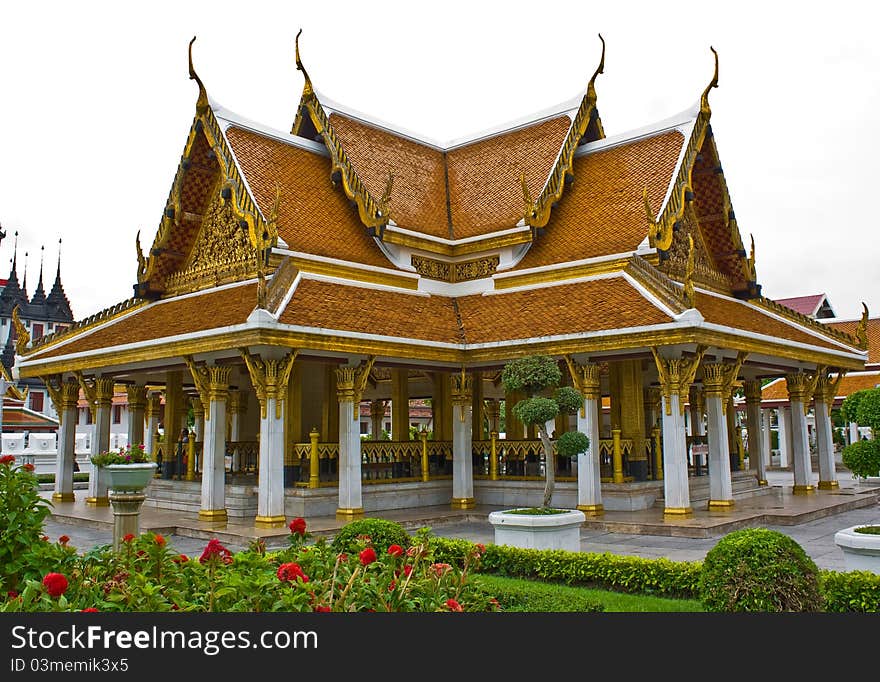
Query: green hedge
(536, 597)
(622, 573)
(854, 591)
(80, 477)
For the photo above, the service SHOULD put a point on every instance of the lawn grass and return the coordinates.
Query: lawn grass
(565, 595)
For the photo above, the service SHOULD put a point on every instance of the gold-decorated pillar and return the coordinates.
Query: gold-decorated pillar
(171, 420)
(676, 374)
(151, 433)
(478, 407)
(214, 388)
(800, 391)
(462, 442)
(399, 404)
(757, 456)
(493, 414)
(630, 412)
(64, 397)
(823, 397)
(585, 379)
(269, 377)
(717, 378)
(103, 392)
(377, 414)
(350, 383)
(235, 409)
(137, 405)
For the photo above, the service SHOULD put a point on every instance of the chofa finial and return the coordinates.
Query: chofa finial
(307, 88)
(704, 100)
(202, 102)
(591, 88)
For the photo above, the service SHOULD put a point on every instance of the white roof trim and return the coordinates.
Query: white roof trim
(646, 294)
(350, 264)
(227, 117)
(682, 121)
(453, 242)
(506, 274)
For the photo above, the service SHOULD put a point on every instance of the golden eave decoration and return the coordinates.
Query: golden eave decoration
(374, 213)
(22, 336)
(537, 213)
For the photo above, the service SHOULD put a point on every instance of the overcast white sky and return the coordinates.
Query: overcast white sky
(96, 106)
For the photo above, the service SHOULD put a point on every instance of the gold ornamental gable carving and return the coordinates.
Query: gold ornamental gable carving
(222, 252)
(463, 271)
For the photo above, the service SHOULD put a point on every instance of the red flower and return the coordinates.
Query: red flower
(368, 556)
(392, 585)
(494, 603)
(480, 547)
(63, 539)
(407, 570)
(12, 594)
(7, 459)
(128, 538)
(180, 558)
(320, 608)
(91, 609)
(55, 584)
(215, 548)
(440, 569)
(45, 538)
(395, 550)
(298, 526)
(453, 605)
(160, 540)
(291, 571)
(411, 551)
(28, 466)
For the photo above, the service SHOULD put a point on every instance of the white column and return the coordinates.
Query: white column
(675, 470)
(235, 407)
(270, 486)
(589, 477)
(67, 409)
(137, 403)
(152, 424)
(784, 423)
(98, 496)
(350, 494)
(766, 416)
(853, 432)
(798, 393)
(823, 397)
(720, 486)
(757, 456)
(213, 506)
(462, 442)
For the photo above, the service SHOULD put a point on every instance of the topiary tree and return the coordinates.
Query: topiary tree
(850, 407)
(757, 569)
(862, 458)
(538, 376)
(868, 409)
(382, 533)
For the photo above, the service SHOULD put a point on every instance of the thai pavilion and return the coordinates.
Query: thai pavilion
(297, 275)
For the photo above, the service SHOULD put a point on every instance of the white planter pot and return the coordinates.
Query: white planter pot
(861, 552)
(538, 531)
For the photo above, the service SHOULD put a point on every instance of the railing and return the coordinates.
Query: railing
(244, 456)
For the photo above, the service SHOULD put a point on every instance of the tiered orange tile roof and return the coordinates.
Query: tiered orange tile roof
(777, 391)
(467, 191)
(210, 309)
(745, 316)
(603, 212)
(873, 330)
(312, 217)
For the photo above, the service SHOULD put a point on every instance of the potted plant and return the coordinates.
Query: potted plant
(861, 547)
(128, 469)
(543, 527)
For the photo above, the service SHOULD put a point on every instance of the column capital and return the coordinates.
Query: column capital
(153, 404)
(676, 375)
(269, 377)
(351, 380)
(801, 387)
(462, 388)
(198, 407)
(752, 389)
(234, 403)
(137, 396)
(377, 408)
(584, 377)
(826, 387)
(104, 389)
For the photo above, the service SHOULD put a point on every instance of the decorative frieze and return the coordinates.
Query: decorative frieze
(462, 271)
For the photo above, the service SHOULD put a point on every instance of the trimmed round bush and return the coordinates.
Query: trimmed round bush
(759, 570)
(382, 534)
(862, 458)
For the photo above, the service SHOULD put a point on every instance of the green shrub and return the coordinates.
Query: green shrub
(862, 458)
(868, 411)
(849, 410)
(535, 597)
(382, 534)
(868, 530)
(853, 591)
(22, 512)
(608, 571)
(757, 569)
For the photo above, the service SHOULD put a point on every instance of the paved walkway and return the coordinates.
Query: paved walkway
(811, 520)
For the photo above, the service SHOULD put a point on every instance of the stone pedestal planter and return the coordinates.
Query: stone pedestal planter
(538, 531)
(126, 484)
(861, 551)
(129, 477)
